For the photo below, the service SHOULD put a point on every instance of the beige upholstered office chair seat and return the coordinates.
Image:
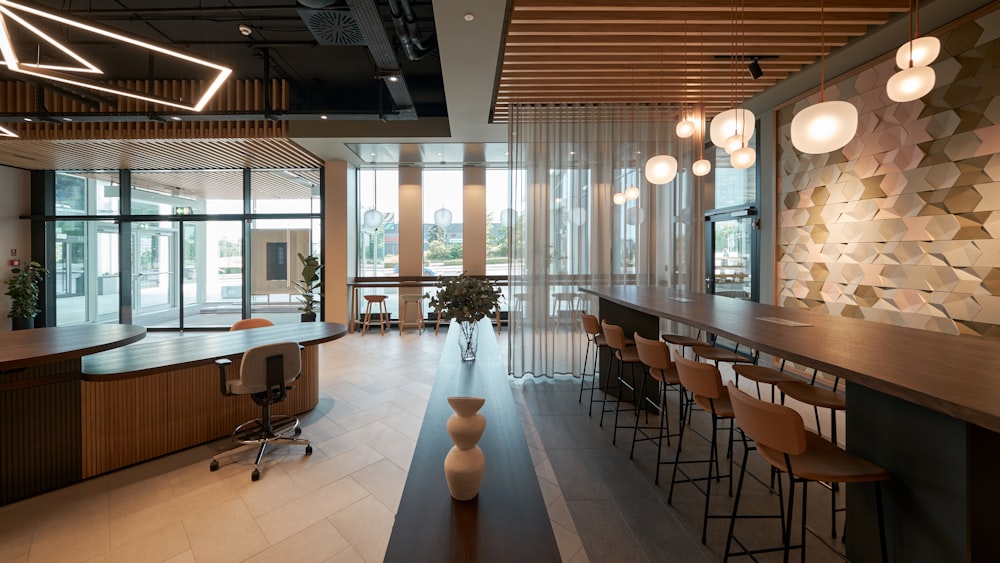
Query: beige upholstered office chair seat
(252, 322)
(783, 441)
(266, 373)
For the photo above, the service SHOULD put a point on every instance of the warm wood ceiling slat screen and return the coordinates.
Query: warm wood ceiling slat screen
(235, 96)
(678, 52)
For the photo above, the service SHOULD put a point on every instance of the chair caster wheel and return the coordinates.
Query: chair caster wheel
(309, 450)
(255, 476)
(298, 431)
(214, 466)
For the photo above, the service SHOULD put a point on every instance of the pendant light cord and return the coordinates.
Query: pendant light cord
(822, 53)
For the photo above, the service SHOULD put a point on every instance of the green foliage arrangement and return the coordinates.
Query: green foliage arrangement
(309, 285)
(465, 298)
(23, 289)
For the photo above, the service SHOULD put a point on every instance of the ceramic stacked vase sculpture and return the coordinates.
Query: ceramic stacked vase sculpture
(464, 464)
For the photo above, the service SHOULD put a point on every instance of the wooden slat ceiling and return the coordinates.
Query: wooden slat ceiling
(668, 51)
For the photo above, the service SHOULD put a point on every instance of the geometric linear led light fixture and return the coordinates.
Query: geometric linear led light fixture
(76, 67)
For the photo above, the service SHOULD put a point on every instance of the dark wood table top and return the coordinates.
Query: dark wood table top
(194, 349)
(508, 521)
(957, 375)
(25, 348)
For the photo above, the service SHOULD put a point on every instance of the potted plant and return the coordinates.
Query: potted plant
(467, 299)
(309, 286)
(23, 289)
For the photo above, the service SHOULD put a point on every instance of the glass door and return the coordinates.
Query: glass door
(732, 260)
(155, 281)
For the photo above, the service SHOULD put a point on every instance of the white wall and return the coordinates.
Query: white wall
(15, 185)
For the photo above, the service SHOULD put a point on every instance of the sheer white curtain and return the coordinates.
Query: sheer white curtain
(566, 163)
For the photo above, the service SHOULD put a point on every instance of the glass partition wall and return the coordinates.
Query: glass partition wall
(182, 249)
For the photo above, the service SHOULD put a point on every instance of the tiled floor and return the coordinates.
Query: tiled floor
(339, 504)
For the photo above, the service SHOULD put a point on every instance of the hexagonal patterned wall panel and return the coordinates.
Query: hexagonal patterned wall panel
(902, 225)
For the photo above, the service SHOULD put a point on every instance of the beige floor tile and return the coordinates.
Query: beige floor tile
(225, 533)
(550, 490)
(559, 513)
(405, 423)
(155, 517)
(318, 542)
(70, 547)
(133, 498)
(335, 468)
(75, 517)
(384, 480)
(362, 418)
(567, 540)
(160, 545)
(273, 490)
(348, 555)
(580, 557)
(544, 470)
(186, 557)
(367, 525)
(396, 447)
(350, 440)
(413, 403)
(310, 509)
(345, 391)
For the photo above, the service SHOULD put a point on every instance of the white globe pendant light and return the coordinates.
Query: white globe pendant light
(731, 122)
(824, 127)
(734, 143)
(442, 218)
(743, 158)
(631, 193)
(686, 128)
(701, 167)
(373, 218)
(918, 52)
(661, 169)
(618, 198)
(910, 84)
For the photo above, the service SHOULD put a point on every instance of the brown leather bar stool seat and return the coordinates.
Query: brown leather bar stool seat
(763, 374)
(783, 441)
(595, 342)
(381, 311)
(683, 342)
(704, 382)
(717, 355)
(655, 355)
(814, 395)
(624, 353)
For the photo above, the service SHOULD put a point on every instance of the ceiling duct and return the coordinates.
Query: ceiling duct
(383, 55)
(333, 27)
(408, 32)
(319, 4)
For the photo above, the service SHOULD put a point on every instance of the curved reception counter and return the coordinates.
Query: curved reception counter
(76, 402)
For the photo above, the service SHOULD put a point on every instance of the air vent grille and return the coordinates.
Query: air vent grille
(333, 27)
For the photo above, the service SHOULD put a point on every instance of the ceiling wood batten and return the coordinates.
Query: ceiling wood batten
(236, 96)
(678, 52)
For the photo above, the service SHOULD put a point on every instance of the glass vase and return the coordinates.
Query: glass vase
(468, 340)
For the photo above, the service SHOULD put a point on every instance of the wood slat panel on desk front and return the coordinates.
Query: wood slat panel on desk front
(508, 521)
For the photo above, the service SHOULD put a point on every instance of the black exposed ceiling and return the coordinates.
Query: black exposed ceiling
(319, 46)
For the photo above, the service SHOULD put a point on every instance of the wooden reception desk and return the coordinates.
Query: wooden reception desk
(154, 398)
(40, 445)
(924, 405)
(76, 402)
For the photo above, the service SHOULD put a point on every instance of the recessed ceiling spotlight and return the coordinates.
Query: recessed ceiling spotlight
(245, 29)
(322, 117)
(67, 119)
(28, 119)
(175, 118)
(394, 78)
(469, 16)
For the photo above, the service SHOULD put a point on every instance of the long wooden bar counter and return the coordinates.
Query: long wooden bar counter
(508, 521)
(154, 398)
(40, 445)
(924, 405)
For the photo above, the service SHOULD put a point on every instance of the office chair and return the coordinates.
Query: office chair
(252, 322)
(265, 374)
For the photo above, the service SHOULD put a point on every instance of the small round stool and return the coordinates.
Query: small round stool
(383, 313)
(404, 302)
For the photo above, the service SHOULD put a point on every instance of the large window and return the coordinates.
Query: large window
(442, 220)
(191, 263)
(378, 231)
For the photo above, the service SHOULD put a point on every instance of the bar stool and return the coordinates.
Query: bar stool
(684, 342)
(655, 355)
(817, 397)
(783, 441)
(704, 382)
(624, 353)
(383, 313)
(763, 374)
(595, 341)
(404, 302)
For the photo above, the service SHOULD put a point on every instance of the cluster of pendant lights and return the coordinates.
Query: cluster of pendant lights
(829, 125)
